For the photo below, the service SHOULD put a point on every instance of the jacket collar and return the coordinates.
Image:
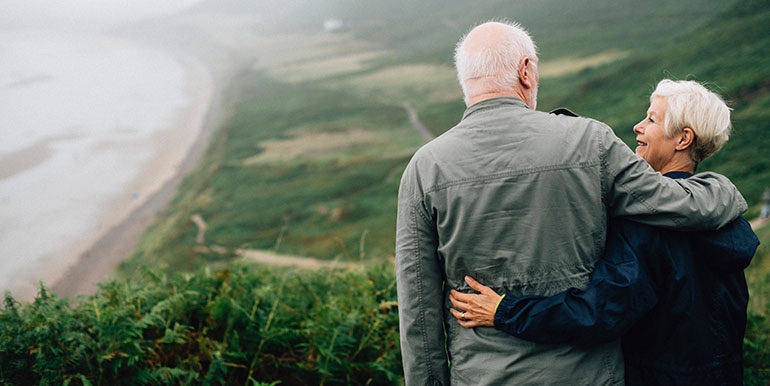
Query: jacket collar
(494, 103)
(678, 175)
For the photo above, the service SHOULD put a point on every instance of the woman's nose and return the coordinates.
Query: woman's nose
(638, 128)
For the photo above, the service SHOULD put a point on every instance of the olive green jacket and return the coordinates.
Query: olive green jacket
(519, 199)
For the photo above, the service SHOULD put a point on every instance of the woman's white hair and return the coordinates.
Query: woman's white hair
(690, 104)
(496, 64)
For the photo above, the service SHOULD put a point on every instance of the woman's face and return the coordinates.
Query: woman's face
(652, 143)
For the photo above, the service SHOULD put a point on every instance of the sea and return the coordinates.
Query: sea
(80, 113)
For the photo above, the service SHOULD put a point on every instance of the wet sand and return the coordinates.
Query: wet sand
(217, 48)
(106, 251)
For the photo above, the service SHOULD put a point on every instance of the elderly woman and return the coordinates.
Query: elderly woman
(677, 299)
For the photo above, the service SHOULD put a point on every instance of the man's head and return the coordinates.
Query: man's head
(497, 59)
(685, 124)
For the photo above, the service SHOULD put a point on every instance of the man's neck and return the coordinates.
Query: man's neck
(482, 97)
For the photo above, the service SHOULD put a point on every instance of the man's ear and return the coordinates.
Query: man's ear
(526, 74)
(686, 139)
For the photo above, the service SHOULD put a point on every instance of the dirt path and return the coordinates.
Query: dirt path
(758, 222)
(272, 258)
(266, 257)
(414, 120)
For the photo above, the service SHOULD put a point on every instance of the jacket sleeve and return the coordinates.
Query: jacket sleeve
(620, 292)
(420, 290)
(633, 189)
(728, 249)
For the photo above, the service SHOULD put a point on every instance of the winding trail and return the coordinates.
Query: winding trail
(265, 256)
(414, 120)
(272, 258)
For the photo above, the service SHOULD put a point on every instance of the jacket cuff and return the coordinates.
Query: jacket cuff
(498, 302)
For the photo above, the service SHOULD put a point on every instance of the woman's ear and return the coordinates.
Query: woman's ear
(686, 139)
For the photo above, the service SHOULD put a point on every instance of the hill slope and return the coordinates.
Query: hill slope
(730, 54)
(310, 161)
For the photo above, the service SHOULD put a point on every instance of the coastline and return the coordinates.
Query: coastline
(161, 176)
(212, 49)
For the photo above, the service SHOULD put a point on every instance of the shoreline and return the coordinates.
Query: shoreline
(214, 47)
(104, 253)
(149, 154)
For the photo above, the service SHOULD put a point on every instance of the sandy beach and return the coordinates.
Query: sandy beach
(214, 48)
(97, 256)
(167, 154)
(211, 64)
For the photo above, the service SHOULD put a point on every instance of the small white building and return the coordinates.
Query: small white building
(334, 25)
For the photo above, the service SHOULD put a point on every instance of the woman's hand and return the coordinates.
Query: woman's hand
(475, 310)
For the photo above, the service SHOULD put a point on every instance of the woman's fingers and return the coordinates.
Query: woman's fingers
(461, 316)
(478, 287)
(474, 310)
(462, 299)
(464, 318)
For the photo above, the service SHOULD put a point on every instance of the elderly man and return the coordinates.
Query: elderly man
(680, 298)
(519, 199)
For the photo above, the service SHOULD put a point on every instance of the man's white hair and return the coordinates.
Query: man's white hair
(496, 64)
(690, 104)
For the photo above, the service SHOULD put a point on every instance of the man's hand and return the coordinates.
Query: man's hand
(475, 310)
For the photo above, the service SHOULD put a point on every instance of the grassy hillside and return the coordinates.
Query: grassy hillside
(756, 342)
(730, 54)
(301, 170)
(426, 31)
(310, 161)
(308, 164)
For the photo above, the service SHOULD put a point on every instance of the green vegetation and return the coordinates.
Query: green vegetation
(309, 163)
(242, 326)
(727, 55)
(333, 203)
(756, 343)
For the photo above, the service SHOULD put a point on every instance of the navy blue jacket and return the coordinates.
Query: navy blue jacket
(678, 299)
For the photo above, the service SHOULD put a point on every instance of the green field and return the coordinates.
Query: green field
(309, 162)
(271, 182)
(308, 165)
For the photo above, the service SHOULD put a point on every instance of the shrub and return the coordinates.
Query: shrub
(246, 325)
